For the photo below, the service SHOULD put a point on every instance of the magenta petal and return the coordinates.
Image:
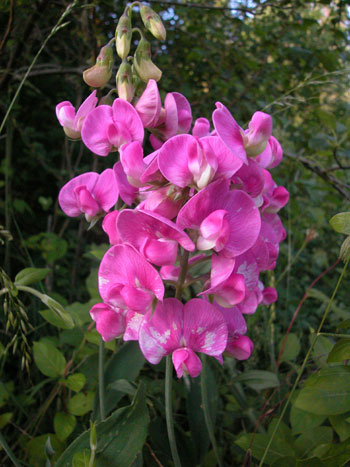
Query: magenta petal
(229, 132)
(221, 268)
(106, 190)
(149, 105)
(251, 177)
(87, 203)
(160, 252)
(65, 113)
(229, 293)
(131, 157)
(127, 192)
(201, 127)
(173, 160)
(277, 152)
(269, 295)
(160, 333)
(184, 112)
(86, 107)
(227, 162)
(109, 323)
(136, 298)
(122, 266)
(185, 357)
(133, 323)
(94, 132)
(171, 117)
(260, 130)
(67, 198)
(236, 324)
(240, 347)
(126, 115)
(204, 327)
(109, 225)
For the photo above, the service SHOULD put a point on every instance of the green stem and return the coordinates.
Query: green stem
(304, 362)
(330, 334)
(169, 411)
(101, 380)
(8, 451)
(207, 415)
(182, 275)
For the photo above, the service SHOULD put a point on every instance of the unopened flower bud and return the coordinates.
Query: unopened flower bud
(126, 89)
(152, 22)
(123, 35)
(108, 99)
(345, 250)
(143, 64)
(99, 75)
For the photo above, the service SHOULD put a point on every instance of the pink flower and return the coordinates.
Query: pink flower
(110, 322)
(272, 154)
(243, 143)
(182, 330)
(90, 193)
(154, 236)
(72, 122)
(127, 280)
(107, 128)
(186, 161)
(227, 221)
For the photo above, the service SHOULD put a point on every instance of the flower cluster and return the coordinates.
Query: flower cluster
(204, 197)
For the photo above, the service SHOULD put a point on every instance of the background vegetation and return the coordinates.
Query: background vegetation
(288, 58)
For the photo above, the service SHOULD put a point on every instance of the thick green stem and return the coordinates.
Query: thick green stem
(169, 411)
(101, 380)
(304, 362)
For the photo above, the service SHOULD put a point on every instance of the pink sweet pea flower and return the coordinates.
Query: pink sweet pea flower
(127, 192)
(127, 280)
(182, 330)
(107, 128)
(131, 158)
(72, 121)
(201, 127)
(110, 322)
(156, 237)
(186, 161)
(243, 143)
(250, 178)
(234, 231)
(272, 154)
(109, 225)
(90, 193)
(274, 197)
(166, 201)
(175, 118)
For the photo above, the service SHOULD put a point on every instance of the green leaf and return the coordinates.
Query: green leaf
(75, 382)
(126, 364)
(31, 275)
(64, 424)
(258, 379)
(338, 455)
(326, 392)
(5, 418)
(48, 359)
(122, 385)
(292, 348)
(119, 437)
(58, 309)
(35, 449)
(340, 352)
(302, 421)
(80, 404)
(309, 440)
(341, 426)
(56, 320)
(82, 459)
(341, 222)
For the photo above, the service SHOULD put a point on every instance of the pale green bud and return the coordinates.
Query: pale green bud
(123, 35)
(152, 22)
(125, 87)
(345, 250)
(99, 75)
(143, 64)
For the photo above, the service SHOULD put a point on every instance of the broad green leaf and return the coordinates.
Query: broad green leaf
(277, 451)
(64, 424)
(258, 379)
(120, 437)
(31, 275)
(309, 440)
(292, 348)
(327, 392)
(302, 421)
(56, 319)
(35, 449)
(125, 364)
(344, 325)
(48, 359)
(5, 418)
(341, 222)
(321, 350)
(82, 459)
(94, 337)
(75, 382)
(57, 308)
(341, 426)
(340, 352)
(80, 312)
(122, 385)
(337, 455)
(80, 404)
